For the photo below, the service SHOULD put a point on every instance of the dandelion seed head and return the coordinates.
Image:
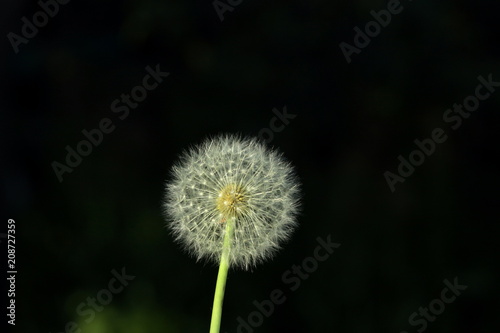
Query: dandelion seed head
(229, 177)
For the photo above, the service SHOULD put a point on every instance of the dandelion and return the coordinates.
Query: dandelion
(231, 201)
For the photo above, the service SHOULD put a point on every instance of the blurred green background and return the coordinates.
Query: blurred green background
(353, 120)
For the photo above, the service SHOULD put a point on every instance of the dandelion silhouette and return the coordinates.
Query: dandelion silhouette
(231, 201)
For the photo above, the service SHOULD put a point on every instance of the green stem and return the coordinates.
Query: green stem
(222, 277)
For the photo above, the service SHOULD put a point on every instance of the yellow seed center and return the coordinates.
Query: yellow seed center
(231, 201)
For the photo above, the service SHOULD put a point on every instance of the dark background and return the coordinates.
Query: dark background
(353, 120)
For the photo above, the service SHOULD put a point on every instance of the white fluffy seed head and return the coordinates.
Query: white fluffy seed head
(230, 177)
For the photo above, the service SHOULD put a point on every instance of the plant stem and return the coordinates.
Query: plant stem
(222, 277)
